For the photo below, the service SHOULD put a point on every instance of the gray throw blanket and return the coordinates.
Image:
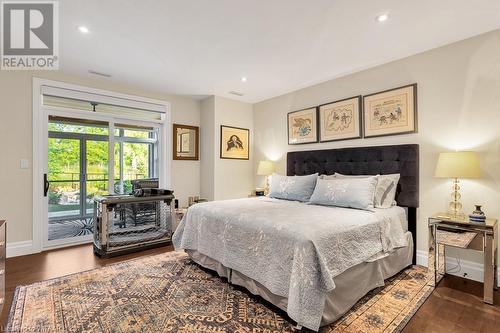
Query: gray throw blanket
(295, 250)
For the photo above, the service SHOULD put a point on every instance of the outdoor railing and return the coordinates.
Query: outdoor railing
(75, 177)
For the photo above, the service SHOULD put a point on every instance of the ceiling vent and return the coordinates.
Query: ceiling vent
(99, 73)
(236, 93)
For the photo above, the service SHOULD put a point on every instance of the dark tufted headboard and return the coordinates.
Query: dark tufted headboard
(402, 159)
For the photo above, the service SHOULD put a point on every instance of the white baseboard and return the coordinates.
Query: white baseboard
(473, 270)
(16, 249)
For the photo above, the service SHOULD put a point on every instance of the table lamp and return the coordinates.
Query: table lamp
(266, 168)
(456, 165)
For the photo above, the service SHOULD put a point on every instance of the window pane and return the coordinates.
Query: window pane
(135, 160)
(136, 134)
(122, 186)
(64, 177)
(97, 171)
(77, 126)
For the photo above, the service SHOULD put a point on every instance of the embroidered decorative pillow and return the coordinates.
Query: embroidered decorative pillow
(345, 192)
(385, 193)
(386, 190)
(297, 188)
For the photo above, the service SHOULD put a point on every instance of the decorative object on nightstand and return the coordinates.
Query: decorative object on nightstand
(195, 200)
(477, 215)
(260, 192)
(266, 168)
(456, 165)
(192, 200)
(458, 231)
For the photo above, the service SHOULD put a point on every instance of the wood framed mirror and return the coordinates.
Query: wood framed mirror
(186, 142)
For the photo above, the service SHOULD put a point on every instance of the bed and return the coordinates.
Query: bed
(313, 262)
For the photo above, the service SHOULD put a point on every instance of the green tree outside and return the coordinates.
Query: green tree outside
(64, 165)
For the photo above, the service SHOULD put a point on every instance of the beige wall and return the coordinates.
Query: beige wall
(223, 178)
(16, 143)
(208, 146)
(458, 108)
(234, 178)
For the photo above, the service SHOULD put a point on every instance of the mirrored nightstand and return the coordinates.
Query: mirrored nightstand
(458, 231)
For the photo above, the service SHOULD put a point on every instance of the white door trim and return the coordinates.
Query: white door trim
(40, 120)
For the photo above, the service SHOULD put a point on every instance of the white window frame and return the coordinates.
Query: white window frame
(40, 139)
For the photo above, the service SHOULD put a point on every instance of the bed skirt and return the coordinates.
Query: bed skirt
(351, 285)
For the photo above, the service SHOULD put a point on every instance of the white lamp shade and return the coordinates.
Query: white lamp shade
(460, 164)
(266, 168)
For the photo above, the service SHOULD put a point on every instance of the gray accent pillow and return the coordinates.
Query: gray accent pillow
(385, 193)
(297, 188)
(386, 190)
(345, 192)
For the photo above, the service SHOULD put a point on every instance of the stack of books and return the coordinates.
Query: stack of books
(477, 218)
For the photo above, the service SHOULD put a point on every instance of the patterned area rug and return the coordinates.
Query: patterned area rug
(67, 228)
(169, 293)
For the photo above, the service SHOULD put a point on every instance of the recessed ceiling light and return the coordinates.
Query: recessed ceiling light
(83, 29)
(243, 79)
(382, 17)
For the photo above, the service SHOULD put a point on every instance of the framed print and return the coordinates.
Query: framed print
(390, 112)
(340, 120)
(186, 142)
(234, 143)
(302, 126)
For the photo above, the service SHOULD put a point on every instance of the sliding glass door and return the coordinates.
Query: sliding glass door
(79, 169)
(65, 185)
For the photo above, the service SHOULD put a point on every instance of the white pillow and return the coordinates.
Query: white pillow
(385, 193)
(345, 192)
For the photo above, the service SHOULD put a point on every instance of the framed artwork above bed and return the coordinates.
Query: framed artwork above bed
(390, 112)
(340, 120)
(303, 126)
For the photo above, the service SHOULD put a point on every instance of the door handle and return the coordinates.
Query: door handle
(46, 185)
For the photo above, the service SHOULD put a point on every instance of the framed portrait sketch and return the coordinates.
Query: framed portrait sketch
(234, 143)
(302, 126)
(390, 112)
(340, 120)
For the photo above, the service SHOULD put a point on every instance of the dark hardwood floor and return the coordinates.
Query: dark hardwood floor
(455, 306)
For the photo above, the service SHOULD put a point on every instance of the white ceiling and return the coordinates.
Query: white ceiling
(203, 47)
